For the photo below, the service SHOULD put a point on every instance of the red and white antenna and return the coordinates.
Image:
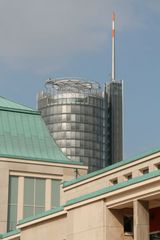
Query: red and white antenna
(113, 46)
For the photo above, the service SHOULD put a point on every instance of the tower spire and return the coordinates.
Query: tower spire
(113, 46)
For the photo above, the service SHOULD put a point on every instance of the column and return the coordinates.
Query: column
(141, 220)
(48, 195)
(20, 198)
(114, 224)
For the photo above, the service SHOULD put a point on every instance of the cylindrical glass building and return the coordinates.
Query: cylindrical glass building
(74, 111)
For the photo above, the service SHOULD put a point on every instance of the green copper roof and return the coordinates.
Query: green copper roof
(24, 135)
(111, 167)
(9, 234)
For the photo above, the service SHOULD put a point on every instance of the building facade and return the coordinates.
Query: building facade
(120, 202)
(84, 120)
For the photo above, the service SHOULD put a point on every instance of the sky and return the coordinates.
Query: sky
(72, 38)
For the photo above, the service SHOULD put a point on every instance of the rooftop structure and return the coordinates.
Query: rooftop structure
(75, 85)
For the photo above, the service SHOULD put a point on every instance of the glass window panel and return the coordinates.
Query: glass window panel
(77, 143)
(64, 116)
(68, 110)
(40, 192)
(73, 135)
(68, 143)
(73, 143)
(13, 189)
(64, 108)
(12, 217)
(68, 126)
(68, 151)
(55, 194)
(78, 135)
(39, 210)
(28, 191)
(73, 117)
(68, 119)
(59, 108)
(28, 211)
(77, 151)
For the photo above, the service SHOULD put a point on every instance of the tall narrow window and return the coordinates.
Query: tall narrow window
(55, 193)
(128, 224)
(12, 203)
(34, 196)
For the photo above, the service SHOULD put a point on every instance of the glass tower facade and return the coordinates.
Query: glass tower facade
(77, 114)
(114, 96)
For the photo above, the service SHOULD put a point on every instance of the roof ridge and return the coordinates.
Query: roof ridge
(6, 103)
(9, 109)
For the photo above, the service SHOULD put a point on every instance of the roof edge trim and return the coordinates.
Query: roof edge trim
(9, 234)
(34, 112)
(111, 167)
(41, 215)
(41, 159)
(113, 188)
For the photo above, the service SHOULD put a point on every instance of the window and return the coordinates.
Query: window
(55, 193)
(114, 181)
(128, 224)
(128, 176)
(145, 171)
(12, 203)
(34, 196)
(158, 166)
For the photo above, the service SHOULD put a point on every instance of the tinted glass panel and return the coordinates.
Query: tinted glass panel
(12, 216)
(28, 211)
(40, 192)
(55, 197)
(29, 191)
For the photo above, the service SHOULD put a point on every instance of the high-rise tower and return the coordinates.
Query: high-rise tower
(73, 110)
(84, 119)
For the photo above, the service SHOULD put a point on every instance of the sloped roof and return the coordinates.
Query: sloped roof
(24, 135)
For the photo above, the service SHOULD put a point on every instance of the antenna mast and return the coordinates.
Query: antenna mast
(113, 46)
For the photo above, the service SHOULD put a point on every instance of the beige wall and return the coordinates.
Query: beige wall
(54, 229)
(87, 222)
(3, 197)
(102, 217)
(103, 180)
